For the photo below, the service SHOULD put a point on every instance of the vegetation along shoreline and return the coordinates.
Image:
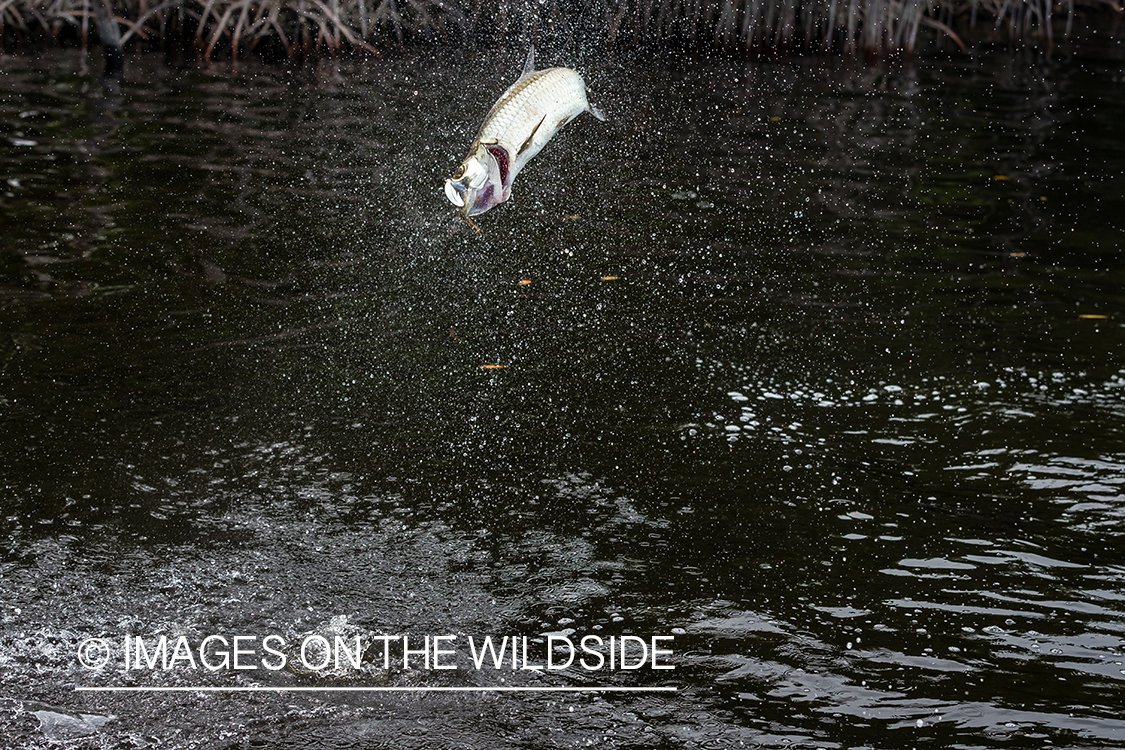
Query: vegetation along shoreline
(302, 29)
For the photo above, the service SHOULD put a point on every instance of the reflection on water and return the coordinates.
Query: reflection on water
(813, 367)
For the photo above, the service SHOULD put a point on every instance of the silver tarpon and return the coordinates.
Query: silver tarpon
(521, 122)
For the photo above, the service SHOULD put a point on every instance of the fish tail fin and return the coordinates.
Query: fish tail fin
(597, 113)
(529, 66)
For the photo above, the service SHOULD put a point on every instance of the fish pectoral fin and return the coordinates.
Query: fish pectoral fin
(527, 143)
(529, 66)
(597, 113)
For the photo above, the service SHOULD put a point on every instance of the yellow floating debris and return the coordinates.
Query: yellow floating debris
(609, 278)
(1016, 254)
(525, 282)
(1042, 197)
(492, 367)
(775, 118)
(1091, 316)
(570, 217)
(1001, 177)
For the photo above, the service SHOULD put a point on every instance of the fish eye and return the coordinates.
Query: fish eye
(459, 173)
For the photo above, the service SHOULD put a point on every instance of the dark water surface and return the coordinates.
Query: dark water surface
(815, 366)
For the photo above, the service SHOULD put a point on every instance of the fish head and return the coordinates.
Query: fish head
(482, 180)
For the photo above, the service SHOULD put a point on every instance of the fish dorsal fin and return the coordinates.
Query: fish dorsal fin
(529, 66)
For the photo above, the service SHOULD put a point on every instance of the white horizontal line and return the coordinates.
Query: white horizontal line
(353, 689)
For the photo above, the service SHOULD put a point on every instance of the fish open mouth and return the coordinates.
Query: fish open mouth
(479, 202)
(453, 192)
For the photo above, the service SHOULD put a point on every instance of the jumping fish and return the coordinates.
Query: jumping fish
(517, 127)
